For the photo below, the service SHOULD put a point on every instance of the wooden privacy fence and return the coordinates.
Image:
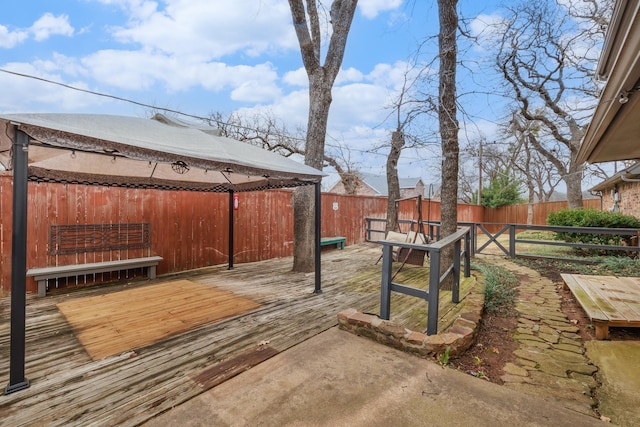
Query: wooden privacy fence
(188, 229)
(517, 214)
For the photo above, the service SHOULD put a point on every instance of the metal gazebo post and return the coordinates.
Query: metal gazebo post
(231, 232)
(17, 379)
(318, 267)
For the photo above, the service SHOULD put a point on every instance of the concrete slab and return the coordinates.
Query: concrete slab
(619, 394)
(340, 379)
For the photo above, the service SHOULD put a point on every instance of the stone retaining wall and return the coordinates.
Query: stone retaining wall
(458, 337)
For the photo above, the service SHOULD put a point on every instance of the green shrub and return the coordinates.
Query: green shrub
(500, 288)
(592, 218)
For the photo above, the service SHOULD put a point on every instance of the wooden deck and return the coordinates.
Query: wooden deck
(609, 301)
(68, 387)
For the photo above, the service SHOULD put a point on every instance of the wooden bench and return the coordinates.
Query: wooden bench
(42, 275)
(338, 241)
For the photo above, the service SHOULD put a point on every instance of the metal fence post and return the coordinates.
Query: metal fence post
(512, 240)
(467, 255)
(455, 287)
(434, 285)
(385, 288)
(474, 238)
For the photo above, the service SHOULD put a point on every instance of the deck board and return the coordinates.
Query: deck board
(69, 388)
(609, 301)
(113, 323)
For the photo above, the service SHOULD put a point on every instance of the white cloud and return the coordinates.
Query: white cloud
(291, 108)
(358, 103)
(255, 92)
(487, 29)
(296, 78)
(392, 76)
(49, 25)
(9, 39)
(134, 70)
(371, 8)
(299, 77)
(46, 26)
(349, 75)
(208, 29)
(137, 8)
(20, 94)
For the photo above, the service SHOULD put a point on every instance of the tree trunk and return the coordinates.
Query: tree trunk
(393, 184)
(350, 181)
(306, 23)
(448, 123)
(573, 179)
(303, 197)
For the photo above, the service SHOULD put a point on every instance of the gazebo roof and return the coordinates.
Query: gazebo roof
(146, 153)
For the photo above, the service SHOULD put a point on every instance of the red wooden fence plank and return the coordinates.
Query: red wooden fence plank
(190, 229)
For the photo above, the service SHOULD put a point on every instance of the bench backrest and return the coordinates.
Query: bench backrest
(81, 238)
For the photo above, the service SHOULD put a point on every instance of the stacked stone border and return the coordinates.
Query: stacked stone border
(458, 337)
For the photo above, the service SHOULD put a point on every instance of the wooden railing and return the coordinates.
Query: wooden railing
(375, 231)
(434, 251)
(512, 229)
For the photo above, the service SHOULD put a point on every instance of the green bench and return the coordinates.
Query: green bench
(338, 241)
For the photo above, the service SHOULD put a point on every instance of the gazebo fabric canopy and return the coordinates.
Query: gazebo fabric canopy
(148, 153)
(126, 151)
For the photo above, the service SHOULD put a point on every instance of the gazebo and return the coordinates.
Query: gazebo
(160, 153)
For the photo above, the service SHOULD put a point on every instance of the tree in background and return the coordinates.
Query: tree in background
(503, 190)
(547, 54)
(265, 131)
(407, 108)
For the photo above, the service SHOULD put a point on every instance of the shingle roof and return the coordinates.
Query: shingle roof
(379, 183)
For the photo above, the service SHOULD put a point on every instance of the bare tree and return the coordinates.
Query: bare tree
(265, 131)
(306, 22)
(546, 56)
(540, 176)
(406, 109)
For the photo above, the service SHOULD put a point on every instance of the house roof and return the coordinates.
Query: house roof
(614, 129)
(378, 183)
(630, 174)
(147, 153)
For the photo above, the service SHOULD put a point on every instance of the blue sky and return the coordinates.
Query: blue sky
(205, 56)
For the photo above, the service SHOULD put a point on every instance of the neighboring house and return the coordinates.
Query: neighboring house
(376, 185)
(621, 192)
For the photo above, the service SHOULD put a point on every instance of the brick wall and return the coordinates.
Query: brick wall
(629, 198)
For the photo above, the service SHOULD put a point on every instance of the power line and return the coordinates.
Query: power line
(104, 95)
(168, 110)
